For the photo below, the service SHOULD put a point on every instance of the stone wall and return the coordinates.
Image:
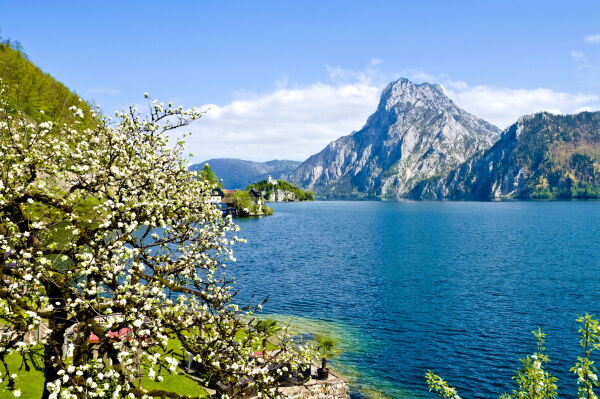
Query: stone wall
(335, 387)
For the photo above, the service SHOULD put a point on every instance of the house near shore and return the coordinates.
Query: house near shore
(243, 203)
(227, 203)
(216, 195)
(257, 198)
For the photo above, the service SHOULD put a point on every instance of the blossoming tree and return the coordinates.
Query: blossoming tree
(105, 233)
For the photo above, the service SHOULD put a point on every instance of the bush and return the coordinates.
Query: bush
(533, 380)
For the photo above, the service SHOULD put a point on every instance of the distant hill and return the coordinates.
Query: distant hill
(541, 156)
(30, 90)
(237, 173)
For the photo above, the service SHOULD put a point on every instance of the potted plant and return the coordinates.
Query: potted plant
(267, 328)
(327, 348)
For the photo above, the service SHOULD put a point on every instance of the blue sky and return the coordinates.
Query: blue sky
(284, 78)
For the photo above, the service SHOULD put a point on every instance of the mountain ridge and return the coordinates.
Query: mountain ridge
(542, 155)
(238, 173)
(416, 132)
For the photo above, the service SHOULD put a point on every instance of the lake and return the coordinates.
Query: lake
(454, 287)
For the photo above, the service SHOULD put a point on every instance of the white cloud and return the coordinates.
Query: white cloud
(582, 61)
(503, 106)
(296, 122)
(371, 75)
(592, 38)
(288, 123)
(579, 56)
(586, 66)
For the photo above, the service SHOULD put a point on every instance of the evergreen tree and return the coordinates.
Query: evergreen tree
(207, 174)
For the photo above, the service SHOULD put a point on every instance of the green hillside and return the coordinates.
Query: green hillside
(30, 90)
(561, 155)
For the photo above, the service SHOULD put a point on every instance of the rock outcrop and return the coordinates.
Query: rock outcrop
(280, 195)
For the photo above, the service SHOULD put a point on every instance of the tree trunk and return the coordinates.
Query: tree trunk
(323, 363)
(58, 324)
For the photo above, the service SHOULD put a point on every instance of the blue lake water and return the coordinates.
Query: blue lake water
(455, 287)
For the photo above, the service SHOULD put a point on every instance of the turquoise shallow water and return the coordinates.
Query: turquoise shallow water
(451, 286)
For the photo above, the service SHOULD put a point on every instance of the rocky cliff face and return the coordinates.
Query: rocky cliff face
(416, 132)
(279, 195)
(540, 156)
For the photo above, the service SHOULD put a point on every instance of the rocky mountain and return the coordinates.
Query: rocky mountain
(416, 133)
(237, 173)
(540, 156)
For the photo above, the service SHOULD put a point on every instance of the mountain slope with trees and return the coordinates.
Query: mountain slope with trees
(35, 93)
(542, 156)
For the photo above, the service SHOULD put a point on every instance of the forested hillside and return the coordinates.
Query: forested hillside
(30, 90)
(543, 156)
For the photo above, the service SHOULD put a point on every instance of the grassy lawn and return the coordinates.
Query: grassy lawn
(31, 383)
(176, 383)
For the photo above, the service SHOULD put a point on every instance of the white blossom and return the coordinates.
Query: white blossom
(115, 221)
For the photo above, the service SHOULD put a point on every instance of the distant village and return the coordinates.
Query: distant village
(226, 201)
